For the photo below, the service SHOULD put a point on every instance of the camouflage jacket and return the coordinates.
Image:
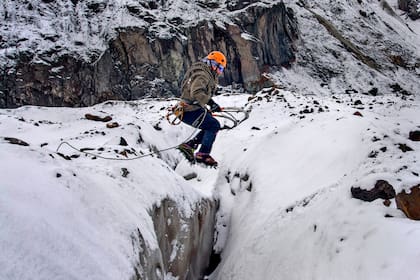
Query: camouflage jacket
(199, 84)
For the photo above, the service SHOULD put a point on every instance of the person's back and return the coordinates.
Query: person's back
(198, 84)
(197, 88)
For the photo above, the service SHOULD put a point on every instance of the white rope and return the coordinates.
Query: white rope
(202, 116)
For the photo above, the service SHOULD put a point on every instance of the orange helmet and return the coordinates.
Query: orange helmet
(218, 57)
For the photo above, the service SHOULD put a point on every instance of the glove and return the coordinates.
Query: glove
(214, 107)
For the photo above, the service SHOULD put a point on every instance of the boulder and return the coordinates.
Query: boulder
(382, 189)
(98, 118)
(409, 203)
(414, 135)
(15, 141)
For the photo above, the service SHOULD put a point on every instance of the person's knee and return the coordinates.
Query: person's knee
(216, 126)
(211, 124)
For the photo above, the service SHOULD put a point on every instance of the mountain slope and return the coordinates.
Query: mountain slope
(85, 52)
(299, 220)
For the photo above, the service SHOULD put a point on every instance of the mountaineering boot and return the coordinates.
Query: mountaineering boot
(187, 151)
(206, 159)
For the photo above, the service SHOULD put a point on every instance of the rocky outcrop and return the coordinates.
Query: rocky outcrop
(412, 7)
(185, 242)
(139, 62)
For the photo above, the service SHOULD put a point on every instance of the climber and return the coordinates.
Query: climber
(197, 88)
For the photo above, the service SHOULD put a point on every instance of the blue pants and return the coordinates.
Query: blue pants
(209, 128)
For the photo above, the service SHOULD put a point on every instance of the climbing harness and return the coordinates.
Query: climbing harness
(234, 115)
(176, 113)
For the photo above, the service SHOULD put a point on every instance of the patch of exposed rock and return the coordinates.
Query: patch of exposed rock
(382, 189)
(411, 7)
(185, 242)
(15, 141)
(414, 135)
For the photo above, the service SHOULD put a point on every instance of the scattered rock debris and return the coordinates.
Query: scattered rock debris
(157, 127)
(64, 156)
(387, 202)
(190, 176)
(414, 135)
(87, 149)
(125, 172)
(404, 148)
(112, 125)
(123, 142)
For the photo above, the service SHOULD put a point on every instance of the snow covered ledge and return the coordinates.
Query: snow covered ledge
(185, 241)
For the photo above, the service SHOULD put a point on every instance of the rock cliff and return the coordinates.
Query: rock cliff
(140, 61)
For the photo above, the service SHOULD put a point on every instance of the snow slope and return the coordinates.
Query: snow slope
(283, 182)
(327, 66)
(74, 219)
(299, 220)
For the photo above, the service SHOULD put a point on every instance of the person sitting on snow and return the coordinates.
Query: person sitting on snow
(197, 88)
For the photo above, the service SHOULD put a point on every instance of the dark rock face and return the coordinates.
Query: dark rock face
(382, 189)
(65, 82)
(185, 242)
(410, 6)
(137, 63)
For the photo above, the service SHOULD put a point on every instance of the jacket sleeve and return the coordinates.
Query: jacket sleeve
(200, 91)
